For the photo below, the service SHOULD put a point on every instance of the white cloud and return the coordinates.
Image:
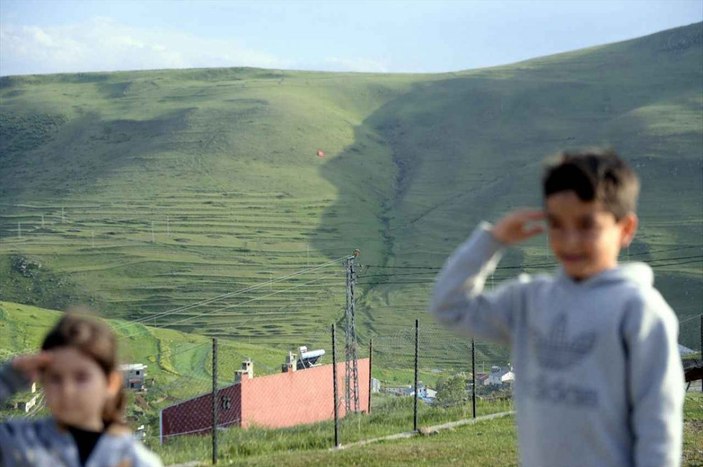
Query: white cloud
(41, 37)
(102, 44)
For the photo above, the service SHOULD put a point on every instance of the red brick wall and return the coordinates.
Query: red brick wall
(274, 401)
(303, 396)
(195, 415)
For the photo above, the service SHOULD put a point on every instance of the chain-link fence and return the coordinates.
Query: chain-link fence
(691, 349)
(311, 393)
(418, 377)
(423, 376)
(317, 398)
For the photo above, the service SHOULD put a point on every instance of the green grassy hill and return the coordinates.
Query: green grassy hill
(470, 146)
(179, 365)
(145, 194)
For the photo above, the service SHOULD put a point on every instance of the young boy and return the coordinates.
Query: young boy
(598, 380)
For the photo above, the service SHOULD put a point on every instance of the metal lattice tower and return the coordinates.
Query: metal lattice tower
(351, 363)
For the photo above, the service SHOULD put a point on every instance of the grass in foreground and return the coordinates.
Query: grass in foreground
(390, 415)
(490, 442)
(693, 430)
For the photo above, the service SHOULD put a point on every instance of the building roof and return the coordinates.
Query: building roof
(132, 366)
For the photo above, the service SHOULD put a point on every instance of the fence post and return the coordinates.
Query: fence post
(473, 379)
(370, 372)
(334, 387)
(214, 400)
(417, 347)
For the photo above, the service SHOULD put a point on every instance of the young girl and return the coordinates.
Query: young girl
(77, 368)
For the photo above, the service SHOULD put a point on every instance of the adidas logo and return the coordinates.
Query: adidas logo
(557, 350)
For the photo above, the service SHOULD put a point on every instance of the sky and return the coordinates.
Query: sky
(421, 36)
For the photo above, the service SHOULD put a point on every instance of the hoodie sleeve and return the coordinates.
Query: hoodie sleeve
(144, 457)
(656, 382)
(11, 381)
(457, 299)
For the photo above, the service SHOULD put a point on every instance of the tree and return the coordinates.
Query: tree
(451, 391)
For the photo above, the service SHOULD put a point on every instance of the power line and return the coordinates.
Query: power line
(690, 318)
(655, 263)
(525, 266)
(235, 305)
(234, 293)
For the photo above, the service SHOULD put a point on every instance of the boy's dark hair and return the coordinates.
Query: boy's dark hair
(94, 339)
(594, 175)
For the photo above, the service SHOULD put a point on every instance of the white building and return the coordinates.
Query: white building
(500, 376)
(134, 375)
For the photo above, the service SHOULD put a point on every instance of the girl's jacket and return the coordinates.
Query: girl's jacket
(42, 443)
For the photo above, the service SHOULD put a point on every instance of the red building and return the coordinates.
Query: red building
(274, 401)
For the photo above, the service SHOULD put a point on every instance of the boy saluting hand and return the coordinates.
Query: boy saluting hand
(599, 380)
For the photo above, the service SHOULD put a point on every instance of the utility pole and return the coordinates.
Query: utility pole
(351, 364)
(417, 358)
(215, 415)
(334, 386)
(473, 379)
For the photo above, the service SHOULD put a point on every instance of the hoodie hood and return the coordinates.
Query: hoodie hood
(639, 273)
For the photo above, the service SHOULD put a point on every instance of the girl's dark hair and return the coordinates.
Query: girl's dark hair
(594, 175)
(94, 339)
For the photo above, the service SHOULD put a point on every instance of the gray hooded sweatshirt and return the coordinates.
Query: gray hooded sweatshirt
(598, 377)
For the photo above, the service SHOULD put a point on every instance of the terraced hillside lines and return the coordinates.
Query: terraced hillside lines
(143, 259)
(143, 193)
(179, 362)
(470, 147)
(177, 186)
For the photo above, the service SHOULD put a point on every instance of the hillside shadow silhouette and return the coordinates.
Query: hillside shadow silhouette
(471, 146)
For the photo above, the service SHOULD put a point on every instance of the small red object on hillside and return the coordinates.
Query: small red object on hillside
(320, 153)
